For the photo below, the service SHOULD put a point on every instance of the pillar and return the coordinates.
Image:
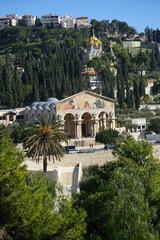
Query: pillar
(79, 129)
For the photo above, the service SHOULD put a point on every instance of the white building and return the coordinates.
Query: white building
(49, 19)
(149, 86)
(15, 16)
(93, 76)
(10, 116)
(130, 44)
(82, 22)
(68, 21)
(30, 20)
(7, 21)
(137, 124)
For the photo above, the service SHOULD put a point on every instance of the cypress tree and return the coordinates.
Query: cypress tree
(35, 89)
(136, 94)
(18, 87)
(120, 88)
(7, 82)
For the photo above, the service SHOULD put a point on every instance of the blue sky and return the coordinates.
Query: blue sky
(137, 13)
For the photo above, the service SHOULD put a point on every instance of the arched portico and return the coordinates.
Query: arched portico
(69, 125)
(86, 125)
(103, 121)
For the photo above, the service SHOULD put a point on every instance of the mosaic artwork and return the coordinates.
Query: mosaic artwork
(84, 101)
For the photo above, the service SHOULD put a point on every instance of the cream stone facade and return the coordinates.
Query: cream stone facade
(82, 115)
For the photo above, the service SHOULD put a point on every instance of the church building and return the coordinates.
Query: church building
(94, 49)
(82, 115)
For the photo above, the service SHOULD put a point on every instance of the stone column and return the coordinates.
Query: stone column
(96, 127)
(104, 123)
(62, 125)
(92, 127)
(79, 129)
(75, 128)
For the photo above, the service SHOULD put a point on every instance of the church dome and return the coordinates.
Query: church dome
(52, 100)
(33, 105)
(94, 41)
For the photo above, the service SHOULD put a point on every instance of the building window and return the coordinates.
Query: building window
(11, 118)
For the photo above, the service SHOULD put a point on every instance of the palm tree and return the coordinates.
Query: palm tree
(44, 139)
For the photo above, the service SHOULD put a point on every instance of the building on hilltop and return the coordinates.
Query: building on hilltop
(82, 115)
(51, 19)
(15, 16)
(7, 21)
(30, 20)
(94, 49)
(82, 22)
(68, 21)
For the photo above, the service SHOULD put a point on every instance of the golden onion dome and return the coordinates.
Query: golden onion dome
(94, 40)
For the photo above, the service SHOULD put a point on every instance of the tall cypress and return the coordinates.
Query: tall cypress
(120, 88)
(7, 82)
(136, 93)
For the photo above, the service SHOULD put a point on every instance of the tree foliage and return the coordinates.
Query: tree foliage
(44, 139)
(108, 136)
(119, 197)
(32, 207)
(154, 125)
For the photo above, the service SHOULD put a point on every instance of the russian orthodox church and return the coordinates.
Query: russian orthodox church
(94, 49)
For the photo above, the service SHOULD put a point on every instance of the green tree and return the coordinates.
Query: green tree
(31, 206)
(108, 136)
(131, 151)
(7, 81)
(154, 125)
(117, 195)
(44, 138)
(128, 212)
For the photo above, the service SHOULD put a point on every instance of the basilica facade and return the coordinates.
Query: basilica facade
(82, 115)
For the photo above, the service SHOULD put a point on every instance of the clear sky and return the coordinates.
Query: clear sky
(137, 13)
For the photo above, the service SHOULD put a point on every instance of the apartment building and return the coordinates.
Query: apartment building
(82, 22)
(7, 21)
(68, 21)
(15, 16)
(49, 19)
(30, 20)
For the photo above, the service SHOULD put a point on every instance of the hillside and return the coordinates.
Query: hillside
(41, 62)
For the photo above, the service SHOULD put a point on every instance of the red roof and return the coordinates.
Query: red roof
(89, 73)
(5, 18)
(47, 15)
(82, 18)
(28, 16)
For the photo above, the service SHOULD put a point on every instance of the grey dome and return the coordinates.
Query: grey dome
(46, 105)
(40, 104)
(50, 103)
(33, 105)
(52, 100)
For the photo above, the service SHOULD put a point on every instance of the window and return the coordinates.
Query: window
(11, 118)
